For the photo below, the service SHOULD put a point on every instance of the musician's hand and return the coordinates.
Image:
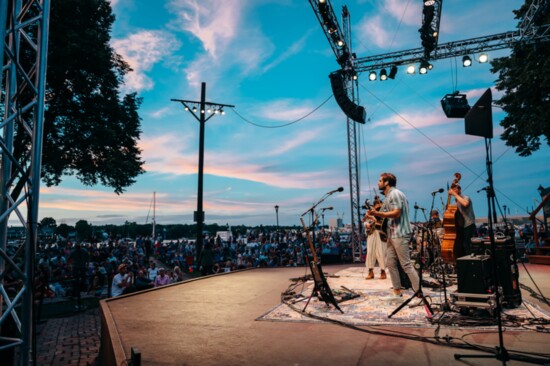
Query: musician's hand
(373, 213)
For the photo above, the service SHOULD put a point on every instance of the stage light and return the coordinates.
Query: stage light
(424, 65)
(186, 108)
(430, 66)
(194, 109)
(393, 72)
(322, 1)
(372, 76)
(466, 61)
(340, 43)
(411, 69)
(354, 75)
(483, 58)
(383, 75)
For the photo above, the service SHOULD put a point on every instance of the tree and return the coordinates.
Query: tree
(64, 230)
(524, 76)
(48, 222)
(90, 131)
(83, 229)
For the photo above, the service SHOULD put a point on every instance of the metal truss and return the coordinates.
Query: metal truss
(450, 49)
(340, 42)
(24, 35)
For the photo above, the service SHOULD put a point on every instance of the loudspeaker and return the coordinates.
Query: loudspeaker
(474, 274)
(507, 268)
(455, 105)
(352, 110)
(479, 120)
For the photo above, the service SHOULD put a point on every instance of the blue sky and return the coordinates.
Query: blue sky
(271, 60)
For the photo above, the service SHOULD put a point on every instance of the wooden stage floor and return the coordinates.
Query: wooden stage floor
(212, 321)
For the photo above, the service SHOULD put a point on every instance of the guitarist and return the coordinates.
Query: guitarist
(467, 221)
(376, 242)
(396, 210)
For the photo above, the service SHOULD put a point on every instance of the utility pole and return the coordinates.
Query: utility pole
(204, 108)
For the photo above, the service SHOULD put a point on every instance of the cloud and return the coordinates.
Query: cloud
(143, 50)
(294, 49)
(231, 41)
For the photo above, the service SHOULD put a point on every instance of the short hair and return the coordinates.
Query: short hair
(390, 178)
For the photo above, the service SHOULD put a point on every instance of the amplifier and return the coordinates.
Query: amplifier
(474, 274)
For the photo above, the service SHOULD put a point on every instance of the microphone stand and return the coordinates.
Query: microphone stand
(500, 352)
(445, 306)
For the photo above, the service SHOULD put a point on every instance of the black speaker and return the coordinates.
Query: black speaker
(474, 274)
(507, 268)
(455, 105)
(352, 110)
(479, 120)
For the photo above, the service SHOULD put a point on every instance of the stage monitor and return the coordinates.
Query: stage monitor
(479, 120)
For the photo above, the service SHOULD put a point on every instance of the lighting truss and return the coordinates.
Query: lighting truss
(429, 32)
(450, 49)
(335, 36)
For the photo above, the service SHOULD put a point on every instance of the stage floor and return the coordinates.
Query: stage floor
(213, 321)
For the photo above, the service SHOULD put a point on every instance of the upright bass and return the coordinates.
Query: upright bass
(450, 246)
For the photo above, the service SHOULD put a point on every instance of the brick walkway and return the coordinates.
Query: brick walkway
(71, 340)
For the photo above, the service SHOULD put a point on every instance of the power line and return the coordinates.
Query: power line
(286, 124)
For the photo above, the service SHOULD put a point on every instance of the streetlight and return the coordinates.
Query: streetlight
(277, 215)
(203, 106)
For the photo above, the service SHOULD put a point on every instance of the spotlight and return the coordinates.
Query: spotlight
(411, 69)
(372, 76)
(186, 108)
(430, 66)
(194, 109)
(383, 75)
(483, 58)
(354, 75)
(466, 61)
(393, 72)
(424, 65)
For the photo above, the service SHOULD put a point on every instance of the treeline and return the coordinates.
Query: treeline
(84, 231)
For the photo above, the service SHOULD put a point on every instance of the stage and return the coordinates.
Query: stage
(221, 320)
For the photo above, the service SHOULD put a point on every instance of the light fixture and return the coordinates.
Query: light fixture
(354, 75)
(383, 75)
(186, 108)
(411, 69)
(194, 109)
(423, 69)
(222, 112)
(393, 72)
(372, 76)
(466, 61)
(430, 66)
(483, 58)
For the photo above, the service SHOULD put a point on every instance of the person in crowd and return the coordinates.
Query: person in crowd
(152, 271)
(142, 282)
(122, 282)
(396, 210)
(162, 279)
(206, 260)
(177, 275)
(79, 259)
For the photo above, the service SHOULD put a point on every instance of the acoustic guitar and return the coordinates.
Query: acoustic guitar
(378, 224)
(451, 237)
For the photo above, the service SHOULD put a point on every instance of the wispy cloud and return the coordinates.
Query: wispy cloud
(143, 50)
(294, 49)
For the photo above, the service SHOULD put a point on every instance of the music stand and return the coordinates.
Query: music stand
(321, 286)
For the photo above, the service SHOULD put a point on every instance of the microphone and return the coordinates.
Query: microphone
(339, 189)
(440, 190)
(416, 206)
(327, 208)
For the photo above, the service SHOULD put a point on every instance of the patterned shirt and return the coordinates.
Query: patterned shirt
(398, 227)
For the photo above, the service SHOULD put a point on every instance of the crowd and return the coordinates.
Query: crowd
(68, 269)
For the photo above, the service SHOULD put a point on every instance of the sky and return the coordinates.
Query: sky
(270, 59)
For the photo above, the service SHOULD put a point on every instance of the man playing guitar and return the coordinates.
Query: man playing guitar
(396, 210)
